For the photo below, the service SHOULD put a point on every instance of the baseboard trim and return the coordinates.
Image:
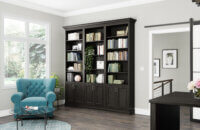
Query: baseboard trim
(5, 112)
(140, 111)
(60, 102)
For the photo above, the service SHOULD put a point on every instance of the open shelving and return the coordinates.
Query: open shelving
(106, 94)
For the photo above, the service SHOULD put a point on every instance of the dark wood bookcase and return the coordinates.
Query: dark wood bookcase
(106, 96)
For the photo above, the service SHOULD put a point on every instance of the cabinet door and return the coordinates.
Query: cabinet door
(90, 94)
(116, 96)
(79, 93)
(98, 95)
(112, 97)
(123, 97)
(70, 92)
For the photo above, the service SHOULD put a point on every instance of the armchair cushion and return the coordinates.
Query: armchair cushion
(50, 96)
(34, 101)
(17, 97)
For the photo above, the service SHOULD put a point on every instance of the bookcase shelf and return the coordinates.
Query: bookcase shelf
(116, 37)
(74, 61)
(97, 37)
(98, 42)
(117, 49)
(80, 40)
(117, 61)
(74, 51)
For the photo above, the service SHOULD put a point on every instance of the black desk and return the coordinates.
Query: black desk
(165, 111)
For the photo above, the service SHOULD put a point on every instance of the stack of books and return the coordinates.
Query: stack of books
(73, 36)
(70, 77)
(100, 49)
(73, 56)
(77, 67)
(119, 43)
(93, 37)
(121, 55)
(114, 67)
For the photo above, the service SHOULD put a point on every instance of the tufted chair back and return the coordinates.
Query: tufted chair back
(35, 87)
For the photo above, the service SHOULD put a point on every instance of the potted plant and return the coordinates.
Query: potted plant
(58, 89)
(195, 87)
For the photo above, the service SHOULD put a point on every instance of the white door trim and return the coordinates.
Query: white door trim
(151, 33)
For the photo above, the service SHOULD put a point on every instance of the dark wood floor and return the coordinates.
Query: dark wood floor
(89, 119)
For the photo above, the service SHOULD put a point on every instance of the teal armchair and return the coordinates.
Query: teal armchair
(34, 92)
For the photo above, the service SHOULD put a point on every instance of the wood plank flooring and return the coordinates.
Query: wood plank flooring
(90, 119)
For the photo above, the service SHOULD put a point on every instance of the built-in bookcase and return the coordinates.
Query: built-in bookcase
(112, 45)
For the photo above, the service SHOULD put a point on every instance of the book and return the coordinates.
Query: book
(119, 43)
(89, 37)
(100, 49)
(117, 56)
(73, 36)
(70, 77)
(97, 36)
(73, 56)
(110, 79)
(114, 67)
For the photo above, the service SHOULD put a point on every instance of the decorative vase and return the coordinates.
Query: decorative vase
(197, 93)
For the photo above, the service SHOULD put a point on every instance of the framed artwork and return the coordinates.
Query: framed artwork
(156, 66)
(170, 58)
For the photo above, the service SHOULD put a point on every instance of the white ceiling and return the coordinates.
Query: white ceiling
(67, 8)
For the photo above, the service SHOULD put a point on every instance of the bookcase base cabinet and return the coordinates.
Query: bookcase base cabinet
(99, 96)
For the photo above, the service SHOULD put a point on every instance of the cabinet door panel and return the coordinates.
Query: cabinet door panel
(79, 93)
(112, 97)
(98, 95)
(70, 91)
(89, 95)
(123, 102)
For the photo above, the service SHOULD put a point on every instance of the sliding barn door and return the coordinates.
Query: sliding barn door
(195, 60)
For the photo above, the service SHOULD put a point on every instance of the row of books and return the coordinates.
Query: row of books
(100, 49)
(114, 67)
(70, 77)
(93, 37)
(117, 43)
(77, 67)
(73, 56)
(117, 55)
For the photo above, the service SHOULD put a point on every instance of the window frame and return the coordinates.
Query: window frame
(27, 41)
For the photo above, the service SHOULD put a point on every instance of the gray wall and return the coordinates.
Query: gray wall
(57, 43)
(155, 13)
(180, 41)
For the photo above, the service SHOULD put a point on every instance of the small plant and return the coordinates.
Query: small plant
(89, 58)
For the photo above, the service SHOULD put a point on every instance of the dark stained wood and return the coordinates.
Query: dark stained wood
(177, 98)
(165, 110)
(90, 119)
(104, 96)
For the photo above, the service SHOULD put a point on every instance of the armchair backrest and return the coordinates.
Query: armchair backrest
(35, 87)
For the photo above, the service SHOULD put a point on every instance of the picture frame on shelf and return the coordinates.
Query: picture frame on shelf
(100, 64)
(170, 58)
(156, 67)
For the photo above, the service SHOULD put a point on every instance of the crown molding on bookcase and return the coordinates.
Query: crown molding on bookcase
(110, 7)
(81, 11)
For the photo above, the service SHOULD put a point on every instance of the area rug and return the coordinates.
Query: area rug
(37, 125)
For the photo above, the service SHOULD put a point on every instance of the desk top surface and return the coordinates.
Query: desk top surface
(177, 98)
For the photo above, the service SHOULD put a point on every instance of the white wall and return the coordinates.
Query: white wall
(155, 13)
(181, 42)
(57, 43)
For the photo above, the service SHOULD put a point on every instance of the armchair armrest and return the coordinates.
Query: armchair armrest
(50, 96)
(17, 97)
